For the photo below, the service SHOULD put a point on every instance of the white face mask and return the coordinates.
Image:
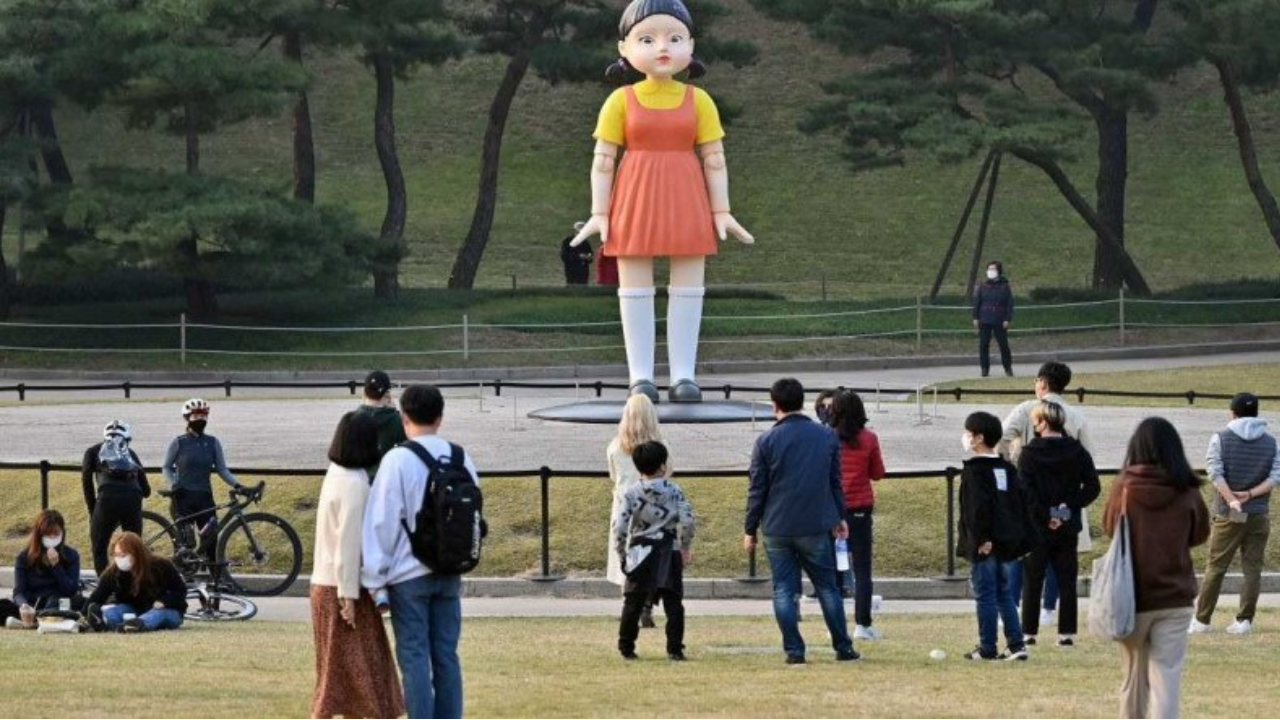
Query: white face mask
(992, 274)
(51, 541)
(124, 563)
(966, 442)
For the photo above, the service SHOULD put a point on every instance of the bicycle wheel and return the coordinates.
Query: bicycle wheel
(262, 552)
(205, 605)
(161, 536)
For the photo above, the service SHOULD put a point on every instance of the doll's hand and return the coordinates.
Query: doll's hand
(597, 225)
(725, 224)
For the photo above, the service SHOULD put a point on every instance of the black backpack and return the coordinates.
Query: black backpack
(450, 526)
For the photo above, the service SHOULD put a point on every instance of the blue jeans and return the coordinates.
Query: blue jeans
(813, 554)
(152, 619)
(993, 593)
(426, 616)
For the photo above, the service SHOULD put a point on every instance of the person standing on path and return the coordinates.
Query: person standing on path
(191, 458)
(379, 405)
(992, 313)
(1244, 466)
(795, 498)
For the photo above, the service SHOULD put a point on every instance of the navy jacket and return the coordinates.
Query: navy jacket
(993, 302)
(41, 586)
(795, 480)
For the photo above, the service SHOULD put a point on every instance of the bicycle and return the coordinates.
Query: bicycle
(257, 553)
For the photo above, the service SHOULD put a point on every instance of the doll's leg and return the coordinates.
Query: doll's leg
(684, 322)
(635, 303)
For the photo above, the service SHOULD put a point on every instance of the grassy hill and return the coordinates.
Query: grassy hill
(1191, 218)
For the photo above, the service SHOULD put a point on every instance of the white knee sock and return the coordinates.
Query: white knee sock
(684, 321)
(636, 308)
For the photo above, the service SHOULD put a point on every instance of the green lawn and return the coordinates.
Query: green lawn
(568, 668)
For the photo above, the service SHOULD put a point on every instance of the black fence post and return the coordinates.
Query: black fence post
(351, 385)
(22, 391)
(544, 476)
(227, 385)
(599, 388)
(128, 389)
(44, 484)
(951, 474)
(497, 387)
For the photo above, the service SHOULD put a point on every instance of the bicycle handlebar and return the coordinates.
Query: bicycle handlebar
(251, 494)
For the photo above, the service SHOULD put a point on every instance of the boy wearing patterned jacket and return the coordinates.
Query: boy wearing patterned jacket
(652, 535)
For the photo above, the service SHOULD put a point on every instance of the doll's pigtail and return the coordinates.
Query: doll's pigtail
(696, 69)
(616, 73)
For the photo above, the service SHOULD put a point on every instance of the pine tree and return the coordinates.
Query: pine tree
(959, 77)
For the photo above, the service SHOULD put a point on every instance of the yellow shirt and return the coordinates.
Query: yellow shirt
(658, 95)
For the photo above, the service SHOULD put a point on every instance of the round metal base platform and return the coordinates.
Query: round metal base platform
(602, 412)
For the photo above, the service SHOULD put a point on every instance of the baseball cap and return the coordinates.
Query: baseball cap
(376, 384)
(1245, 405)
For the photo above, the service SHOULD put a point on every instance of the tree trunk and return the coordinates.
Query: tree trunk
(304, 150)
(4, 267)
(467, 263)
(55, 163)
(1129, 271)
(201, 301)
(1113, 174)
(1248, 150)
(386, 281)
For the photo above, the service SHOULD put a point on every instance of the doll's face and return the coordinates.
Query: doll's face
(658, 46)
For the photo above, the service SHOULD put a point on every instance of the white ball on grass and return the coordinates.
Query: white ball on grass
(938, 654)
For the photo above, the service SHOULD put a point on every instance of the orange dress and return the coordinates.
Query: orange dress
(660, 206)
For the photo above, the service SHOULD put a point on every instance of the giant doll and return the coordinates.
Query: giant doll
(668, 197)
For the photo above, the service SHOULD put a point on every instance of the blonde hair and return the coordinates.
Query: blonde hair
(639, 424)
(1053, 414)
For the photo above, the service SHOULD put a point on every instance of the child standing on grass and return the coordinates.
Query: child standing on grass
(993, 536)
(652, 534)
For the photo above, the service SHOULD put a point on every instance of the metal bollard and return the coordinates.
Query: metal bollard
(544, 477)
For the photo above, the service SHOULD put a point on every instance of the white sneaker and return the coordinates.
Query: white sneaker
(864, 632)
(1240, 627)
(14, 623)
(1198, 627)
(1046, 617)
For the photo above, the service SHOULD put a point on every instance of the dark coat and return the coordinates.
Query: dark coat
(993, 302)
(795, 480)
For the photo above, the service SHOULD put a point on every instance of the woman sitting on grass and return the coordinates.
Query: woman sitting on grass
(148, 591)
(45, 572)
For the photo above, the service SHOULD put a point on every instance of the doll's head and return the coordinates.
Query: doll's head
(655, 39)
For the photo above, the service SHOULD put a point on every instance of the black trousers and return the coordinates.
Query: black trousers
(672, 605)
(1060, 552)
(984, 347)
(860, 525)
(203, 525)
(114, 509)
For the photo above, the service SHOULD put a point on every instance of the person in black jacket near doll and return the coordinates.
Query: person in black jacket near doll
(993, 535)
(1062, 479)
(992, 313)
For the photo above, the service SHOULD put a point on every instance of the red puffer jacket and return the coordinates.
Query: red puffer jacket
(858, 468)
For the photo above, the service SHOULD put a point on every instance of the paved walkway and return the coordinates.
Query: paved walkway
(271, 427)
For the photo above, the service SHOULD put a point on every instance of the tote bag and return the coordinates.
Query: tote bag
(1111, 600)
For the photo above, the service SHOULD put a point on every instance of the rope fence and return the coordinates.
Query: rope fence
(466, 339)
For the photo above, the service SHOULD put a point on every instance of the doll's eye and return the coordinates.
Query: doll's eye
(646, 40)
(677, 38)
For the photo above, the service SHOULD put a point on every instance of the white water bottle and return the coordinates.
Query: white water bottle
(842, 555)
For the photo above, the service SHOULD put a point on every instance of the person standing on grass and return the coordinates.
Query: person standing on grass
(861, 464)
(992, 536)
(638, 425)
(653, 540)
(355, 673)
(1160, 494)
(114, 485)
(379, 405)
(1051, 381)
(795, 497)
(992, 313)
(191, 459)
(426, 607)
(1243, 463)
(1062, 480)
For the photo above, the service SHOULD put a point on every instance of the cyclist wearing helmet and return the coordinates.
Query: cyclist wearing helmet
(191, 458)
(114, 485)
